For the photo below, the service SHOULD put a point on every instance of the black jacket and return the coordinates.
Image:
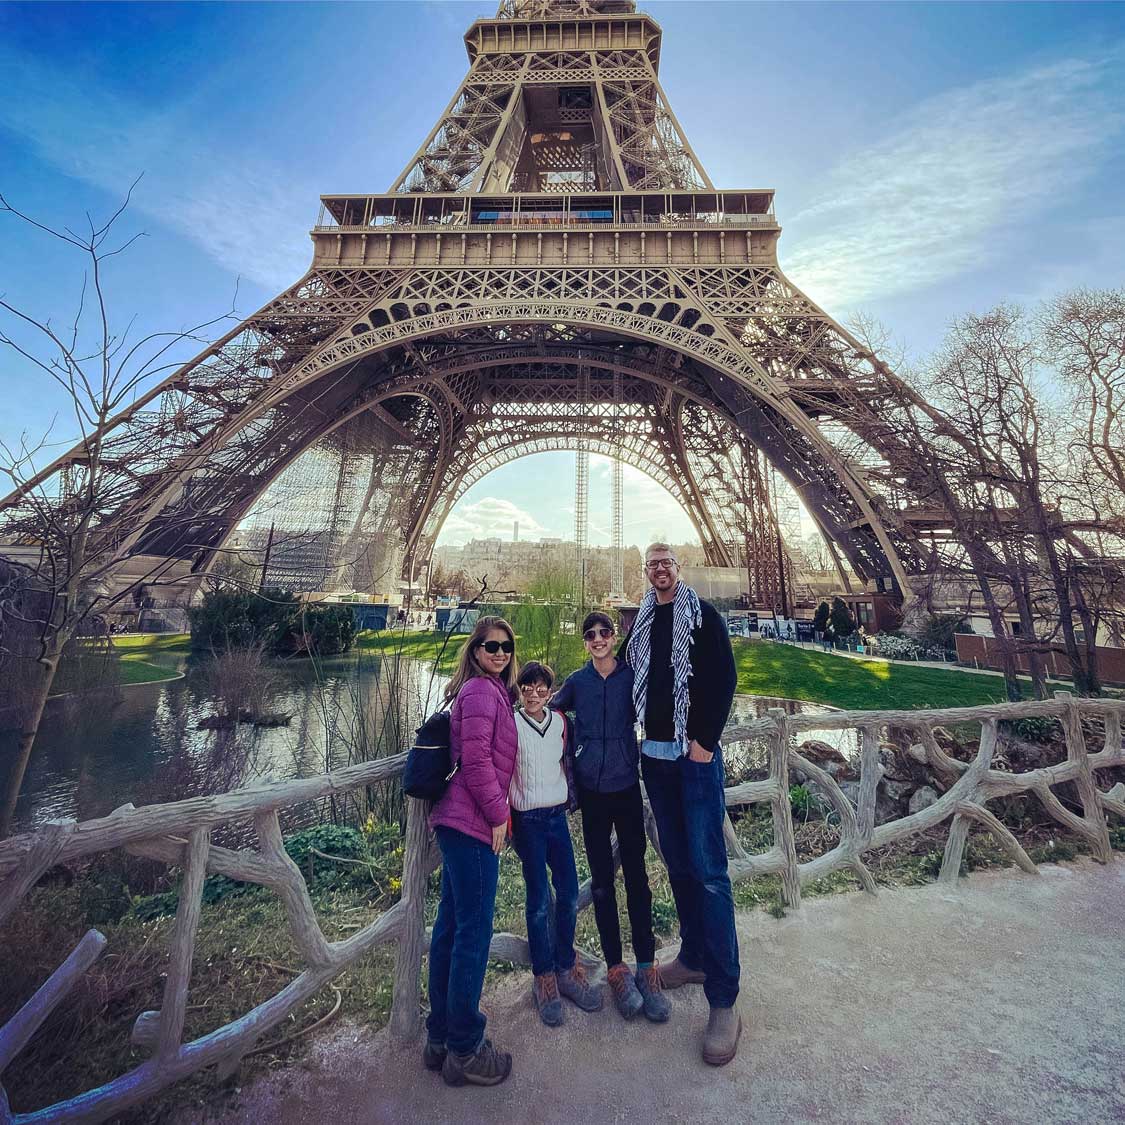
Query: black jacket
(606, 758)
(710, 687)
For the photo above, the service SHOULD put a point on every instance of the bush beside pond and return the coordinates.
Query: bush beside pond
(273, 621)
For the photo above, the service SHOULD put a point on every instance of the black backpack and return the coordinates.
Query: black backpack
(429, 765)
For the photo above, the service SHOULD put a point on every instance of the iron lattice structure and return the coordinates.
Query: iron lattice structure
(552, 270)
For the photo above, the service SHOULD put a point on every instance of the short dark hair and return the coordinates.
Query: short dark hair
(533, 672)
(598, 618)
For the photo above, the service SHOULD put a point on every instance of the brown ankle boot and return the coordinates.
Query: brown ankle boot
(676, 973)
(720, 1040)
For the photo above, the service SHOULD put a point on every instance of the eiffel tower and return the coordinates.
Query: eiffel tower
(553, 269)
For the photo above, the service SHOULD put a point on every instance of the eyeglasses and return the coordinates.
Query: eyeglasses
(661, 564)
(535, 689)
(602, 633)
(493, 647)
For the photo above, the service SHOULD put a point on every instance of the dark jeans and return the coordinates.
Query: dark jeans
(459, 945)
(687, 802)
(541, 838)
(601, 814)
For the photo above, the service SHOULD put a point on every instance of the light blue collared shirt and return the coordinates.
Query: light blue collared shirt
(668, 751)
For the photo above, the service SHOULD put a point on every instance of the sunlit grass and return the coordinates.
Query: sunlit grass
(765, 668)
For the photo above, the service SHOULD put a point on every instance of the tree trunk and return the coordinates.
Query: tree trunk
(33, 716)
(1061, 586)
(999, 627)
(1090, 629)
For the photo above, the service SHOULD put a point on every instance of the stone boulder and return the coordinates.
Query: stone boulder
(922, 799)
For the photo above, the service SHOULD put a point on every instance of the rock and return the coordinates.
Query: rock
(841, 771)
(899, 790)
(850, 789)
(820, 753)
(886, 808)
(923, 798)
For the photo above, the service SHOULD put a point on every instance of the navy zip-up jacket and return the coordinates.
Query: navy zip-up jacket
(606, 756)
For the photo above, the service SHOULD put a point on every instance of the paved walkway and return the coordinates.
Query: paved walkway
(999, 1001)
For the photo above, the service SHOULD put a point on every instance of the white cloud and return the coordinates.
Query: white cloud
(954, 177)
(249, 216)
(488, 517)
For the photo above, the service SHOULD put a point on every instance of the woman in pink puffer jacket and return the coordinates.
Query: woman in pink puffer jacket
(471, 823)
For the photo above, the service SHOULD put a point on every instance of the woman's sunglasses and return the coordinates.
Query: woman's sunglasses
(493, 647)
(592, 634)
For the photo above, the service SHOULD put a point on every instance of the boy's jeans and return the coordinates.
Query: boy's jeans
(541, 838)
(460, 940)
(687, 802)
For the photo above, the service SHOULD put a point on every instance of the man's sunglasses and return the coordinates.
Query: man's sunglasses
(602, 633)
(493, 647)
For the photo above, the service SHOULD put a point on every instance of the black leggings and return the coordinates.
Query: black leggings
(623, 811)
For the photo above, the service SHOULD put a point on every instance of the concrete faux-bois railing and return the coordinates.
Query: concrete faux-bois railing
(179, 834)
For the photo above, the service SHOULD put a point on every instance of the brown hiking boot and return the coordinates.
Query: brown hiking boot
(433, 1055)
(486, 1066)
(545, 990)
(628, 999)
(676, 973)
(720, 1040)
(575, 985)
(657, 1006)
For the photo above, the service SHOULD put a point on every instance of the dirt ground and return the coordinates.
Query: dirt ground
(999, 1001)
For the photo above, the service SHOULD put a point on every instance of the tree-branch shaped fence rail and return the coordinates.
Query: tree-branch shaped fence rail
(180, 834)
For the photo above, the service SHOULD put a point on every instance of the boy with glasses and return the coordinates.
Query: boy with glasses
(540, 795)
(606, 767)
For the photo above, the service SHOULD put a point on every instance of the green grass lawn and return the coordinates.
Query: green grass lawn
(770, 669)
(856, 685)
(563, 653)
(136, 671)
(140, 656)
(153, 642)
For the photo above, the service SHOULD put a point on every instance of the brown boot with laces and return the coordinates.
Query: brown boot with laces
(545, 990)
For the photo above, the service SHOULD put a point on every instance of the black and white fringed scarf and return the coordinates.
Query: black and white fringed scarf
(686, 616)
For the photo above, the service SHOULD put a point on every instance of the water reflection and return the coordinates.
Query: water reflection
(144, 745)
(748, 761)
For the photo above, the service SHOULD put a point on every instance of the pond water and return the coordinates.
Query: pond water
(143, 744)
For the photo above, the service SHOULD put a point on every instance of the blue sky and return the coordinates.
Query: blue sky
(929, 159)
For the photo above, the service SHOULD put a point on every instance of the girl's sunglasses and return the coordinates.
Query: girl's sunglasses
(493, 647)
(601, 634)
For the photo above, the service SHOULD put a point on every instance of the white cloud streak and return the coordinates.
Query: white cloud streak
(488, 517)
(249, 216)
(955, 177)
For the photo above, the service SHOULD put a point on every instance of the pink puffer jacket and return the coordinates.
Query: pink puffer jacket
(483, 737)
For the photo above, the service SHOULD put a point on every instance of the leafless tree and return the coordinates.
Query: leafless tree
(52, 522)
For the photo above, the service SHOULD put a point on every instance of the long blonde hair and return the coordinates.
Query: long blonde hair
(467, 666)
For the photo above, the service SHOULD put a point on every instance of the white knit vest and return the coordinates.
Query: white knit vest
(539, 781)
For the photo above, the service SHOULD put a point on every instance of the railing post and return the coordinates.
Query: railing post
(174, 1006)
(1088, 792)
(406, 1006)
(959, 830)
(783, 837)
(870, 771)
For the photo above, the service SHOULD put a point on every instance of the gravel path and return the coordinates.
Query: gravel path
(999, 1001)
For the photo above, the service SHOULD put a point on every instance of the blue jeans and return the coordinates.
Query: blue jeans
(459, 945)
(687, 802)
(541, 838)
